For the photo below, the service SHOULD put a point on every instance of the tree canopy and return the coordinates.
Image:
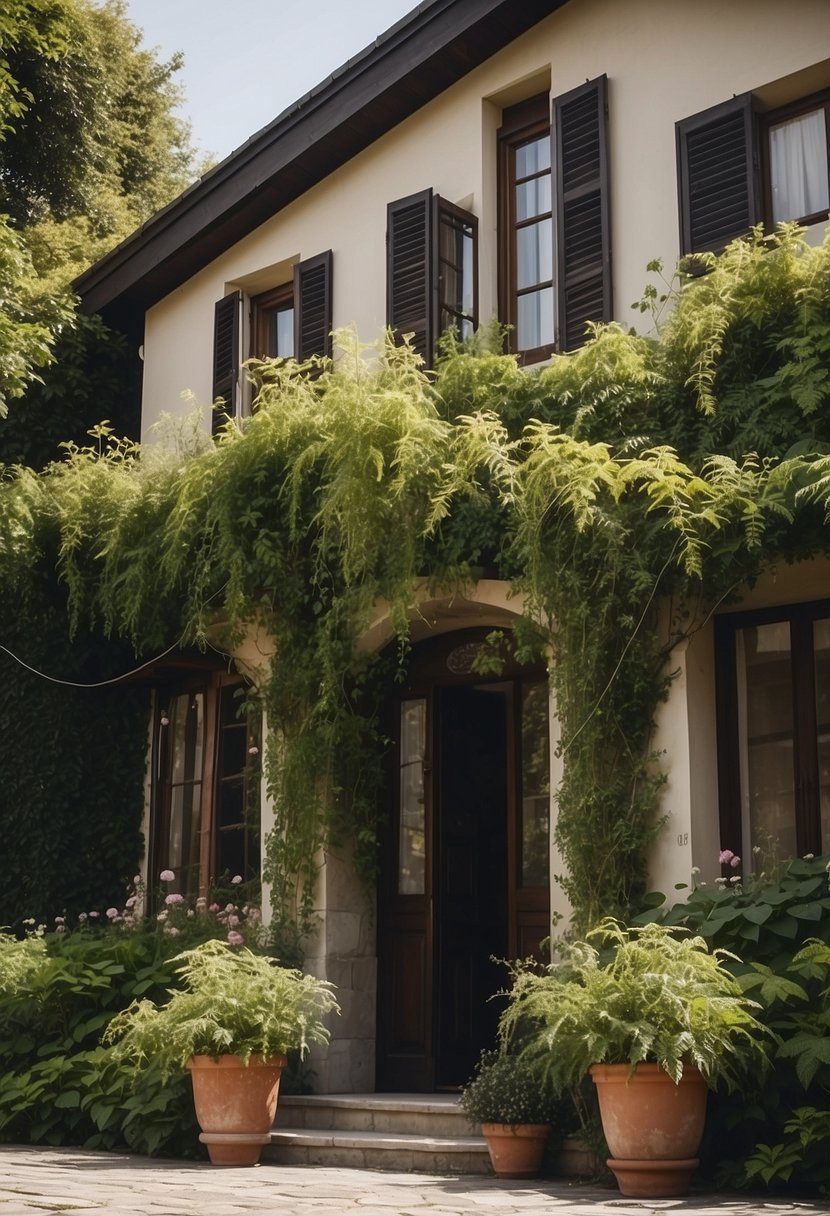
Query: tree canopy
(89, 148)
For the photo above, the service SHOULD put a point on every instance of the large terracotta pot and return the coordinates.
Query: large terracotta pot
(516, 1149)
(653, 1127)
(235, 1105)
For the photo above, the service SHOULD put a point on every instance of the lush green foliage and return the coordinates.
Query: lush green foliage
(233, 1002)
(659, 997)
(506, 1089)
(775, 1130)
(628, 490)
(89, 148)
(57, 994)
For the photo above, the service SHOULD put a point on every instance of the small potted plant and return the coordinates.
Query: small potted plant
(506, 1098)
(231, 1025)
(654, 1022)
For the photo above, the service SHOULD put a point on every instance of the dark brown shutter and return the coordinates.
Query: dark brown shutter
(225, 354)
(410, 270)
(312, 307)
(582, 234)
(717, 175)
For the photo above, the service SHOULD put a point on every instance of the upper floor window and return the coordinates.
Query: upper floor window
(554, 220)
(738, 167)
(292, 320)
(796, 163)
(432, 270)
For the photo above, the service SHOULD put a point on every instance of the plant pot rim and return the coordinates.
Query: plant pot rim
(234, 1060)
(515, 1129)
(645, 1072)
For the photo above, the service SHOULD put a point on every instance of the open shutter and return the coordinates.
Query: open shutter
(225, 354)
(582, 234)
(717, 175)
(312, 307)
(410, 270)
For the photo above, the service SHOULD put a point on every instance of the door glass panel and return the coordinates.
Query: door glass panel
(765, 715)
(411, 817)
(821, 653)
(535, 859)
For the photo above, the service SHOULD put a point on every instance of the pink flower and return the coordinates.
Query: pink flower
(131, 901)
(233, 920)
(213, 908)
(165, 721)
(735, 862)
(94, 915)
(112, 913)
(82, 917)
(166, 876)
(230, 907)
(59, 920)
(253, 751)
(725, 856)
(162, 916)
(136, 880)
(172, 931)
(236, 880)
(234, 938)
(173, 898)
(60, 928)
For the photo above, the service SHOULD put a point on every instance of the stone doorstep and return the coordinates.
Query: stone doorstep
(430, 1115)
(380, 1150)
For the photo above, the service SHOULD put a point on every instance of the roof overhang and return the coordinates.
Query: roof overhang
(413, 62)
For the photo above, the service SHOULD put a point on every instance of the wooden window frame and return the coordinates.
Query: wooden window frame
(521, 123)
(211, 686)
(805, 757)
(263, 308)
(805, 105)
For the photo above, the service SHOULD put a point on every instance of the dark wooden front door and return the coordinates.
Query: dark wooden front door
(453, 888)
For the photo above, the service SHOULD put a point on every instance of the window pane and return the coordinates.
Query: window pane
(533, 197)
(821, 651)
(765, 712)
(533, 157)
(535, 863)
(456, 252)
(284, 333)
(411, 855)
(187, 715)
(798, 167)
(535, 319)
(534, 254)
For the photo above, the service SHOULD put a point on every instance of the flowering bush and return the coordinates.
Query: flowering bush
(224, 913)
(505, 1089)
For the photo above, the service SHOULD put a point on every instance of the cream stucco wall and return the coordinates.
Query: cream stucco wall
(659, 72)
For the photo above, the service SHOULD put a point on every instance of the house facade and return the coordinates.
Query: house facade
(521, 162)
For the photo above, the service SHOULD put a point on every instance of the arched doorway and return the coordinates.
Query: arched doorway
(464, 869)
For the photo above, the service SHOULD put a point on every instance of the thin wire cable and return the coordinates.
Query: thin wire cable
(78, 684)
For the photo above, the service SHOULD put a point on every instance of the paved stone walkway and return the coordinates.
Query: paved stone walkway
(34, 1181)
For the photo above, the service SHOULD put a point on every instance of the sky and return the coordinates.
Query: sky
(247, 60)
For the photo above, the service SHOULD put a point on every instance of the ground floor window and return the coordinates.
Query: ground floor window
(773, 669)
(205, 789)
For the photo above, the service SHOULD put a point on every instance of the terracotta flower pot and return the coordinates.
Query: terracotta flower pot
(653, 1127)
(235, 1105)
(516, 1149)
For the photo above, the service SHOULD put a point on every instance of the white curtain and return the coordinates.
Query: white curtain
(798, 167)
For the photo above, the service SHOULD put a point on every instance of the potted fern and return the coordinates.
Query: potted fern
(654, 1023)
(231, 1025)
(505, 1097)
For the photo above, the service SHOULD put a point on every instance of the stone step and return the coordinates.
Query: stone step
(421, 1132)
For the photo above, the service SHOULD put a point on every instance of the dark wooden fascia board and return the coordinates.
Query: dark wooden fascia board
(421, 56)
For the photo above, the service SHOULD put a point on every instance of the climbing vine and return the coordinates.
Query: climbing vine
(627, 491)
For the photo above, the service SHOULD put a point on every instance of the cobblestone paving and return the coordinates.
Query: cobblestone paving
(34, 1181)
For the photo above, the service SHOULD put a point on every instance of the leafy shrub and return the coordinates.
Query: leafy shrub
(776, 1130)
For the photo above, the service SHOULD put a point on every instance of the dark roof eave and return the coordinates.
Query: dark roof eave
(416, 60)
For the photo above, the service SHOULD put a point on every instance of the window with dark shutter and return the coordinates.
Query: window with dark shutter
(410, 270)
(432, 270)
(582, 237)
(717, 175)
(225, 356)
(312, 303)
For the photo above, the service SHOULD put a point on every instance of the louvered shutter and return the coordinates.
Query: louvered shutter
(582, 233)
(717, 175)
(225, 355)
(312, 307)
(410, 270)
